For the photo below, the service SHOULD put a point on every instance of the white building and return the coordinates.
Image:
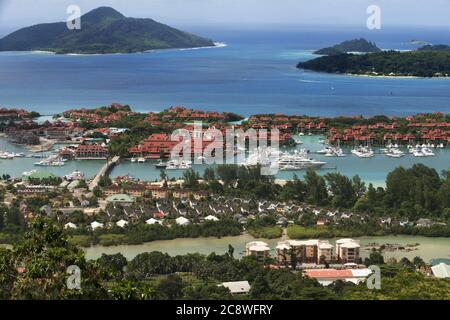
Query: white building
(70, 225)
(122, 223)
(441, 270)
(347, 250)
(153, 221)
(211, 218)
(258, 249)
(237, 287)
(182, 221)
(96, 225)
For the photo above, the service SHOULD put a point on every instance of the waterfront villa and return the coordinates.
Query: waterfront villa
(258, 249)
(305, 251)
(347, 250)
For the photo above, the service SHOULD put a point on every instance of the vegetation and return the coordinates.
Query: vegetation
(388, 63)
(36, 268)
(104, 30)
(355, 45)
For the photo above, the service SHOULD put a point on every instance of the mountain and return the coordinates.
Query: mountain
(356, 45)
(387, 63)
(103, 30)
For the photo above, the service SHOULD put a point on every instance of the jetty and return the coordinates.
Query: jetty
(103, 170)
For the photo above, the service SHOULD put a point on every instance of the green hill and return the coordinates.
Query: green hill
(103, 30)
(389, 63)
(355, 45)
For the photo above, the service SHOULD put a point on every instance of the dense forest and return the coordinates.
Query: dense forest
(423, 63)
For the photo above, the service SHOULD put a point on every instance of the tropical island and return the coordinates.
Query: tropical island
(428, 61)
(355, 45)
(104, 30)
(346, 58)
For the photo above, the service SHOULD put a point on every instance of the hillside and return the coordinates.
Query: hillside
(390, 63)
(355, 45)
(103, 30)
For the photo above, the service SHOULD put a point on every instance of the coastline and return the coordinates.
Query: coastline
(75, 54)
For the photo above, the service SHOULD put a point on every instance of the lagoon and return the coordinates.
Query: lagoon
(429, 248)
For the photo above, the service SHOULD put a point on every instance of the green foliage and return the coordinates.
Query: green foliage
(104, 31)
(412, 63)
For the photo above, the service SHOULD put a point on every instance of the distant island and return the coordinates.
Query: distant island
(427, 61)
(103, 30)
(355, 45)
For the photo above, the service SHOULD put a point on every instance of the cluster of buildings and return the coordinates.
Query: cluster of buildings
(308, 251)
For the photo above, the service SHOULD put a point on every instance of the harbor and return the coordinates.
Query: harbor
(371, 170)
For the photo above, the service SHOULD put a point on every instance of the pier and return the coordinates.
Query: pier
(103, 170)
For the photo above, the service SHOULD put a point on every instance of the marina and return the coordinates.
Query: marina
(371, 170)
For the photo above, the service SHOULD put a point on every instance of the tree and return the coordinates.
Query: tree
(316, 187)
(209, 174)
(112, 265)
(170, 288)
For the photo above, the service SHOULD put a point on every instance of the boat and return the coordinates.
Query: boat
(428, 152)
(161, 164)
(178, 165)
(52, 161)
(133, 160)
(363, 152)
(395, 153)
(418, 153)
(76, 175)
(297, 162)
(28, 173)
(141, 160)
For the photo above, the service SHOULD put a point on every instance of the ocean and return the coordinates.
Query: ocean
(254, 73)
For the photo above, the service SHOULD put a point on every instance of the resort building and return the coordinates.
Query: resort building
(85, 151)
(258, 249)
(306, 251)
(347, 250)
(327, 276)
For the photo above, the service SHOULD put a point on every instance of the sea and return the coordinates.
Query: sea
(252, 71)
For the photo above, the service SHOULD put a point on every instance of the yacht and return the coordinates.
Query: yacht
(141, 160)
(298, 162)
(133, 160)
(28, 173)
(395, 153)
(161, 164)
(418, 153)
(76, 175)
(52, 161)
(363, 152)
(428, 152)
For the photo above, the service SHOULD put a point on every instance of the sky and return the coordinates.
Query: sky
(235, 13)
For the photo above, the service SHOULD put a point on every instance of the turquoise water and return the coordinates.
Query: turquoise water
(254, 73)
(372, 170)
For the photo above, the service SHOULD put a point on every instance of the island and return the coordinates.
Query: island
(103, 30)
(428, 61)
(355, 45)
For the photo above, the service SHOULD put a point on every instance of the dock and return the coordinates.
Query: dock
(103, 170)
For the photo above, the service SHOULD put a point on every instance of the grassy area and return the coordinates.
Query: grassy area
(270, 232)
(112, 239)
(81, 240)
